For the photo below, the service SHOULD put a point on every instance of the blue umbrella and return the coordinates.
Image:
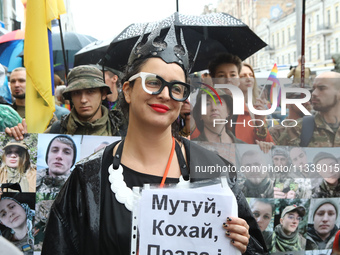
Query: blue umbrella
(9, 52)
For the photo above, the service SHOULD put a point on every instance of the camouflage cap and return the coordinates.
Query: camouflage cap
(84, 77)
(299, 209)
(20, 144)
(280, 152)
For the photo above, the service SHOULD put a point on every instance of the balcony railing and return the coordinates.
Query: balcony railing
(292, 38)
(323, 27)
(328, 56)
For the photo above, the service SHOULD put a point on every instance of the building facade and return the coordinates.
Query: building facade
(277, 23)
(12, 16)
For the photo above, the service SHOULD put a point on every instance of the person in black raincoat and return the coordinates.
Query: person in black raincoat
(91, 214)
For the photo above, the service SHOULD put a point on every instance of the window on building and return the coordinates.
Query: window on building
(273, 42)
(329, 47)
(309, 53)
(337, 14)
(294, 56)
(278, 39)
(336, 45)
(283, 60)
(289, 35)
(289, 58)
(317, 22)
(309, 25)
(328, 18)
(318, 51)
(283, 37)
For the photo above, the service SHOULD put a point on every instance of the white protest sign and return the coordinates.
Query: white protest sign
(185, 221)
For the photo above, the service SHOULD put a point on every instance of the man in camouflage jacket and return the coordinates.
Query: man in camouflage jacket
(326, 101)
(86, 89)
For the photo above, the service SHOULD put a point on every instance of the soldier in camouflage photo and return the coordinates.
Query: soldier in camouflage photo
(286, 236)
(61, 155)
(255, 182)
(325, 124)
(323, 227)
(16, 221)
(284, 186)
(329, 186)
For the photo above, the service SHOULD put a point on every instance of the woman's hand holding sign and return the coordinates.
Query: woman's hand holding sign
(237, 230)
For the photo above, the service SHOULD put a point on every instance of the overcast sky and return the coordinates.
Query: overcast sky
(104, 19)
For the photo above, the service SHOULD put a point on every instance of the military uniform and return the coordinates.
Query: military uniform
(42, 213)
(323, 135)
(301, 186)
(109, 124)
(276, 131)
(323, 190)
(265, 189)
(49, 184)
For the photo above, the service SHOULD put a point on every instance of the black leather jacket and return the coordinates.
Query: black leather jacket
(79, 222)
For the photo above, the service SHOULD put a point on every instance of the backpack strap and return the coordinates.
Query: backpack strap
(56, 128)
(307, 130)
(234, 119)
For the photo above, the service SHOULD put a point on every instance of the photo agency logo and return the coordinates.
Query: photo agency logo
(276, 103)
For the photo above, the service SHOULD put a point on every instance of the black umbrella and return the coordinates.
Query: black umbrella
(92, 53)
(217, 32)
(73, 42)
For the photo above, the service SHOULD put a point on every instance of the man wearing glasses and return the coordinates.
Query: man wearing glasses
(86, 90)
(286, 236)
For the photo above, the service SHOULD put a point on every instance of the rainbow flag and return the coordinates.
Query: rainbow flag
(276, 83)
(38, 60)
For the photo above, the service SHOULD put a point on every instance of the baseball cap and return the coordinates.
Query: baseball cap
(299, 209)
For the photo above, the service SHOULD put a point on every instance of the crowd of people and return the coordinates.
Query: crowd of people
(149, 107)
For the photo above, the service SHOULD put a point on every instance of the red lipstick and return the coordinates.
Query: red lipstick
(160, 108)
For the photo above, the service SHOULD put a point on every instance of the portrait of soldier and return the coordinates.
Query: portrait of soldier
(321, 233)
(60, 157)
(286, 236)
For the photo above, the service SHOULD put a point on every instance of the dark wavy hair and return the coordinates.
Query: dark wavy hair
(224, 58)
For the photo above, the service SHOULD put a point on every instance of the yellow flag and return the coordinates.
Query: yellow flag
(39, 103)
